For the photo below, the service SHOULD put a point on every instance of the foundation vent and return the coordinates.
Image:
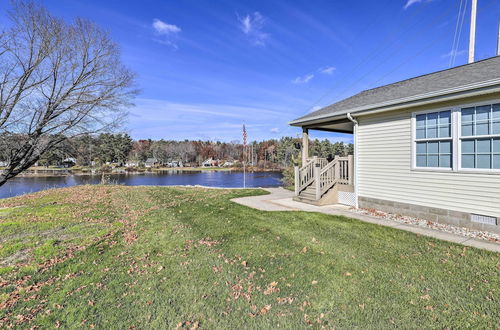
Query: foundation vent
(483, 219)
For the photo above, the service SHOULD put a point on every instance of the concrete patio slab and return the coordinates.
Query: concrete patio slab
(281, 199)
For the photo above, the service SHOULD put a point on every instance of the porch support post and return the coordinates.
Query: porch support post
(305, 145)
(350, 173)
(297, 180)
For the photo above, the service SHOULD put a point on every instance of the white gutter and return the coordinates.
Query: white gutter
(355, 122)
(403, 102)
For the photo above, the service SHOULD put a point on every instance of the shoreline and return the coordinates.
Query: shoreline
(60, 172)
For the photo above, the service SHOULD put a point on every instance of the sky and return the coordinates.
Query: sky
(206, 67)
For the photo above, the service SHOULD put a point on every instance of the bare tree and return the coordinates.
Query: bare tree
(57, 80)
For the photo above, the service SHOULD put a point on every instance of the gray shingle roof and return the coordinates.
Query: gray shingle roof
(456, 77)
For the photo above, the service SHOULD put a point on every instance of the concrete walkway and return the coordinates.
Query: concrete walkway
(281, 199)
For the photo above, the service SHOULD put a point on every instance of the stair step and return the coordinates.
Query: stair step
(306, 198)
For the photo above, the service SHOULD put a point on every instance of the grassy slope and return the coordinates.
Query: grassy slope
(115, 257)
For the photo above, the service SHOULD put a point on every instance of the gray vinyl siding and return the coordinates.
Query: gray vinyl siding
(384, 171)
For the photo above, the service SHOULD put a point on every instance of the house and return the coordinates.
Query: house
(132, 163)
(68, 162)
(228, 163)
(151, 162)
(210, 163)
(175, 163)
(427, 147)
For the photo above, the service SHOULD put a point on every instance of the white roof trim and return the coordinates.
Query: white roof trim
(465, 88)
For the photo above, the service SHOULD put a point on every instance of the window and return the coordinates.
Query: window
(459, 139)
(480, 137)
(434, 140)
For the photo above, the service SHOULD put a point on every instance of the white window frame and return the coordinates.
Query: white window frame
(473, 137)
(456, 138)
(414, 141)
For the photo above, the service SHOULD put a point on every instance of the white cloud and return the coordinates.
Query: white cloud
(304, 79)
(413, 2)
(327, 70)
(275, 130)
(252, 26)
(454, 53)
(167, 33)
(165, 28)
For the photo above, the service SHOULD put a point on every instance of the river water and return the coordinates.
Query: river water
(224, 179)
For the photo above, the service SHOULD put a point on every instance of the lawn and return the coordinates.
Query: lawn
(157, 257)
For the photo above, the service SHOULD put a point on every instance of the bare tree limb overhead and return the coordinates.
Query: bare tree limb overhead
(57, 80)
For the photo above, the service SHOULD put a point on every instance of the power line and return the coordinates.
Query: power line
(456, 32)
(366, 59)
(459, 34)
(428, 27)
(424, 49)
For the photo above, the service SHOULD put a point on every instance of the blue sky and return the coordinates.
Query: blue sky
(206, 67)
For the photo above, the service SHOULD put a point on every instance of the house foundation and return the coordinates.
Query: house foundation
(438, 215)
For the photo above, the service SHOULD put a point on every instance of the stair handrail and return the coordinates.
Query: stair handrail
(305, 175)
(328, 177)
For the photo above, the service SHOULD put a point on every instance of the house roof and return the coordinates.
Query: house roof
(474, 75)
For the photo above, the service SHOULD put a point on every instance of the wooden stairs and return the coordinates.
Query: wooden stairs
(320, 182)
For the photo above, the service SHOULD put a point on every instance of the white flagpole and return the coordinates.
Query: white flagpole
(244, 170)
(244, 155)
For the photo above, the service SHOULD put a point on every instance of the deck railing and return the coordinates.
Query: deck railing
(322, 161)
(323, 175)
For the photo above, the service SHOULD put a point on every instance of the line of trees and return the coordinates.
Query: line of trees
(118, 149)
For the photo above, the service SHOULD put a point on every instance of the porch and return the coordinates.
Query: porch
(322, 181)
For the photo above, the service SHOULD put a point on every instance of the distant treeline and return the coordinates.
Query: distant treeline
(120, 148)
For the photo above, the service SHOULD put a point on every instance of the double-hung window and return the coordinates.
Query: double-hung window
(463, 138)
(433, 140)
(480, 137)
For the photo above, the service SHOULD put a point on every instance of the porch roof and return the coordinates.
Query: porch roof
(458, 81)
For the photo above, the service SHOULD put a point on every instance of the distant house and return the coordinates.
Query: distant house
(151, 162)
(3, 164)
(209, 163)
(427, 147)
(175, 163)
(132, 163)
(69, 162)
(228, 164)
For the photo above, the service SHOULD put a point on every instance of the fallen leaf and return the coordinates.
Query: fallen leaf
(425, 297)
(265, 309)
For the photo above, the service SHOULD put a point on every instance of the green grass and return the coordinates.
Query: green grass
(151, 257)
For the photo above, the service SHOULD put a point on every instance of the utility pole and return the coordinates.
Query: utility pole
(498, 39)
(472, 39)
